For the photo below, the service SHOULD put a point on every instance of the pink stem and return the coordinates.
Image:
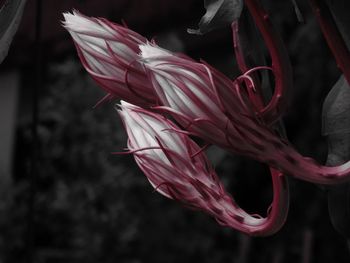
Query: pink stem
(280, 62)
(254, 93)
(333, 37)
(280, 203)
(237, 48)
(275, 218)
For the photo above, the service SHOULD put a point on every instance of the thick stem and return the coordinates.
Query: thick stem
(276, 217)
(238, 48)
(280, 62)
(333, 37)
(280, 203)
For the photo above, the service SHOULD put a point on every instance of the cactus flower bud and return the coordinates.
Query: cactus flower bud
(178, 169)
(109, 52)
(200, 98)
(210, 106)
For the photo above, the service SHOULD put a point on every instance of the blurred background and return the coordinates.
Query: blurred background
(66, 198)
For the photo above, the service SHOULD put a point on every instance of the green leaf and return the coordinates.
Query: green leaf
(219, 13)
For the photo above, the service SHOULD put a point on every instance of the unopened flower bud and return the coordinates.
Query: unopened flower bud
(202, 100)
(208, 105)
(178, 169)
(109, 52)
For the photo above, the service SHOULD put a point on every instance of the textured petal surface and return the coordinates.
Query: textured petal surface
(109, 52)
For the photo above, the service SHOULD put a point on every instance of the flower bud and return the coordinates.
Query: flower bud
(209, 105)
(163, 154)
(201, 99)
(178, 169)
(109, 52)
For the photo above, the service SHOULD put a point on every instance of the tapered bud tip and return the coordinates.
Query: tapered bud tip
(126, 105)
(76, 21)
(70, 18)
(149, 51)
(124, 108)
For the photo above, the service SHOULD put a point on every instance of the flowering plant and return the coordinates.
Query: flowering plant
(178, 169)
(232, 114)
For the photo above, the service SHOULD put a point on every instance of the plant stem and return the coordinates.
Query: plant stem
(333, 37)
(253, 89)
(280, 62)
(280, 202)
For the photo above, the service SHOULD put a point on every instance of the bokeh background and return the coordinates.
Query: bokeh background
(83, 204)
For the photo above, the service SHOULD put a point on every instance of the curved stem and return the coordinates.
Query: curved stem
(238, 48)
(280, 62)
(253, 90)
(280, 203)
(333, 37)
(235, 217)
(279, 209)
(275, 152)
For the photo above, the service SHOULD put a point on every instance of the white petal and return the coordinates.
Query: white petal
(148, 51)
(77, 23)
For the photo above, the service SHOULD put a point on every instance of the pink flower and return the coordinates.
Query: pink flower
(109, 52)
(178, 169)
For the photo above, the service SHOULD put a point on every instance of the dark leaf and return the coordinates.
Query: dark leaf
(339, 208)
(219, 13)
(298, 13)
(336, 124)
(340, 10)
(10, 17)
(336, 109)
